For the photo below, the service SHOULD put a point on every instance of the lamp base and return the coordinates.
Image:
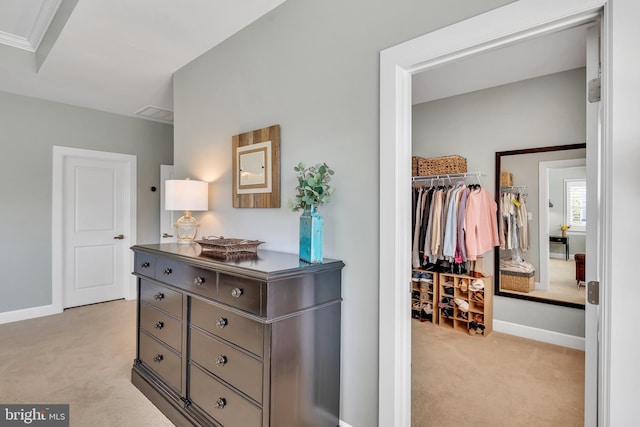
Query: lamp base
(186, 228)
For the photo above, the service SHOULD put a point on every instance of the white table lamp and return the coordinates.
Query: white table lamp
(186, 195)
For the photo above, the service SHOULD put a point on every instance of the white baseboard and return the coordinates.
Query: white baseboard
(343, 424)
(537, 334)
(29, 313)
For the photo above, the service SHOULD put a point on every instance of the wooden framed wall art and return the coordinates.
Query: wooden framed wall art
(256, 168)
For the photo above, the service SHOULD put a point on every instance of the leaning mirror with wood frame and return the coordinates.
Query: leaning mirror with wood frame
(541, 197)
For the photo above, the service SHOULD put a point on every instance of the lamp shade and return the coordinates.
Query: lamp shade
(186, 195)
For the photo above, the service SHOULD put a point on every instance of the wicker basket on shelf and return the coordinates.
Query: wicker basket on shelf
(506, 179)
(441, 165)
(516, 281)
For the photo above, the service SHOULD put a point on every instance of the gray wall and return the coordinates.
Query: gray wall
(534, 113)
(313, 68)
(30, 128)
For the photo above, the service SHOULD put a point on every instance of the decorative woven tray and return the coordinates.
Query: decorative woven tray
(223, 247)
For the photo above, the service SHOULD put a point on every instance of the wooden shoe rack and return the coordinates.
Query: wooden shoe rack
(424, 292)
(480, 304)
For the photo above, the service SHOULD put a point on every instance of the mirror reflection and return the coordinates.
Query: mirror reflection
(541, 197)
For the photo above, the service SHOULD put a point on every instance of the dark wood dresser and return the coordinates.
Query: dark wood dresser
(242, 342)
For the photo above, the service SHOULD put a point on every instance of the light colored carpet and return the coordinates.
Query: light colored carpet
(82, 357)
(498, 381)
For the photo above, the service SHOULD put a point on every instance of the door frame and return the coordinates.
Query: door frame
(60, 154)
(498, 28)
(543, 213)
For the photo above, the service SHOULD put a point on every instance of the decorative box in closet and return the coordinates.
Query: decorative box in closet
(466, 303)
(424, 295)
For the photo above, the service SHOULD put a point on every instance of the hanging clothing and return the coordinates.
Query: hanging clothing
(514, 223)
(452, 223)
(415, 257)
(481, 232)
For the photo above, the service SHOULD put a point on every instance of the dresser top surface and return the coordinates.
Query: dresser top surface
(265, 265)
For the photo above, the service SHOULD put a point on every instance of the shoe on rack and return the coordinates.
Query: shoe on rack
(463, 305)
(448, 290)
(427, 308)
(477, 285)
(463, 285)
(415, 276)
(477, 296)
(478, 317)
(425, 277)
(480, 329)
(445, 302)
(472, 327)
(415, 294)
(463, 315)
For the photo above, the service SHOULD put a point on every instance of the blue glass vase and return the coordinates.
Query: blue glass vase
(311, 235)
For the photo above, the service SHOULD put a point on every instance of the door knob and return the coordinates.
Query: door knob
(166, 235)
(119, 237)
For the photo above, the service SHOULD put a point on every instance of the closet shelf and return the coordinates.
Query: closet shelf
(513, 189)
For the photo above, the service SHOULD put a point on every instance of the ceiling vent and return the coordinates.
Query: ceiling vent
(156, 114)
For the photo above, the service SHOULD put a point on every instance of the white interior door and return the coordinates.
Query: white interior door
(594, 256)
(95, 223)
(167, 232)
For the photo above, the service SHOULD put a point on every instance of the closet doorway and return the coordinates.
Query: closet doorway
(522, 20)
(511, 116)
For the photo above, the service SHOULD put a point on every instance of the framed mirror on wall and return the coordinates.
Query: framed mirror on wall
(541, 197)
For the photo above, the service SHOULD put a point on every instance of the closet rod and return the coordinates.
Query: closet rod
(450, 176)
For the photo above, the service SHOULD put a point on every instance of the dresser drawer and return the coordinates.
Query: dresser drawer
(245, 294)
(221, 403)
(169, 271)
(233, 366)
(193, 279)
(161, 325)
(162, 298)
(199, 281)
(161, 360)
(145, 264)
(244, 332)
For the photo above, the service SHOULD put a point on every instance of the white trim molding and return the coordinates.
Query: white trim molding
(500, 27)
(537, 334)
(29, 313)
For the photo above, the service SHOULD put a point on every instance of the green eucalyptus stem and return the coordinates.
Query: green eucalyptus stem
(313, 186)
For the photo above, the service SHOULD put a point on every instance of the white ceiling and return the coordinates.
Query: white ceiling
(561, 51)
(119, 55)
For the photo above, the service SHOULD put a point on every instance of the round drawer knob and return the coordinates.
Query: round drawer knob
(236, 292)
(198, 281)
(166, 271)
(159, 325)
(158, 358)
(221, 403)
(221, 323)
(221, 360)
(145, 264)
(159, 296)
